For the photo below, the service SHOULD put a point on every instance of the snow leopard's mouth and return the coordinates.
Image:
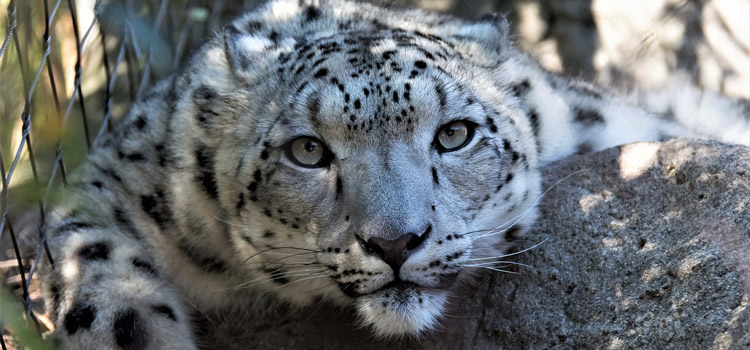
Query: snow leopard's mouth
(401, 287)
(446, 282)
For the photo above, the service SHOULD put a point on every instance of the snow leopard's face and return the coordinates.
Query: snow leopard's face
(375, 169)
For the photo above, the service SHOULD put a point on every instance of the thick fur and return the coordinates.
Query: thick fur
(193, 201)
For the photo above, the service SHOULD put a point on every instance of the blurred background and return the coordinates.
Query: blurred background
(68, 68)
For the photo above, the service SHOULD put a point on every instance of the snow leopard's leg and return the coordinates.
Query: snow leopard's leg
(105, 290)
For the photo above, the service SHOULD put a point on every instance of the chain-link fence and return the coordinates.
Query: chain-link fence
(67, 70)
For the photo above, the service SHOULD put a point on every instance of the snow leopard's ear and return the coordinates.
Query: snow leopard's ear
(491, 32)
(246, 53)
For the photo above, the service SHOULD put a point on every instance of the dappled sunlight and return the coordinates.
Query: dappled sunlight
(615, 344)
(673, 215)
(652, 273)
(613, 243)
(588, 202)
(725, 340)
(636, 159)
(618, 224)
(648, 246)
(688, 266)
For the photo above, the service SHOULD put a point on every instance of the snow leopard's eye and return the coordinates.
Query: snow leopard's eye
(308, 152)
(454, 135)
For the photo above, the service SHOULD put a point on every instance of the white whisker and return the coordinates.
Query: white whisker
(499, 270)
(508, 224)
(295, 281)
(261, 280)
(511, 254)
(230, 223)
(503, 262)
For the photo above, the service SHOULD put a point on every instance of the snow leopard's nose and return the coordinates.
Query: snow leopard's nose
(394, 252)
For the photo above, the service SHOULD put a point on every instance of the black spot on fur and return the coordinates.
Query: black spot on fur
(302, 86)
(204, 98)
(165, 310)
(73, 226)
(311, 13)
(435, 176)
(420, 64)
(274, 36)
(521, 88)
(388, 54)
(208, 263)
(268, 234)
(441, 95)
(132, 157)
(143, 266)
(94, 251)
(56, 295)
(299, 69)
(318, 62)
(321, 73)
(80, 316)
(203, 95)
(339, 187)
(129, 331)
(514, 156)
(109, 173)
(140, 122)
(252, 27)
(124, 222)
(509, 178)
(491, 125)
(349, 289)
(534, 120)
(586, 90)
(161, 153)
(512, 233)
(585, 148)
(588, 116)
(313, 106)
(241, 201)
(247, 239)
(156, 207)
(252, 186)
(206, 177)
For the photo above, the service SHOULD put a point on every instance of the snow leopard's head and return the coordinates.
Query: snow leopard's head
(370, 160)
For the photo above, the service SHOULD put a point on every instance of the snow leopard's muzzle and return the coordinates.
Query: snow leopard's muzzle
(404, 244)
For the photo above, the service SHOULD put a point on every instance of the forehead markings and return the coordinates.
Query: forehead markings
(360, 62)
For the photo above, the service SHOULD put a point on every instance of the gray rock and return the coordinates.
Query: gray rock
(651, 251)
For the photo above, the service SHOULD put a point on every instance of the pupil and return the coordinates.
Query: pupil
(311, 146)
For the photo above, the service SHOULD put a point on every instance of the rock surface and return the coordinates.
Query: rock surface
(650, 252)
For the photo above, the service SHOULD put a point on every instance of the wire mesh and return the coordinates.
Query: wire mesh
(68, 81)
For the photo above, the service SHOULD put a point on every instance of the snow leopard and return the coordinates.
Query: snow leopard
(322, 150)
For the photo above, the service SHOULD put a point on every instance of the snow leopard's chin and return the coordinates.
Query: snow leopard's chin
(402, 310)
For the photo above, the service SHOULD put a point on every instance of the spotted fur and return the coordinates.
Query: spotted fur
(193, 199)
